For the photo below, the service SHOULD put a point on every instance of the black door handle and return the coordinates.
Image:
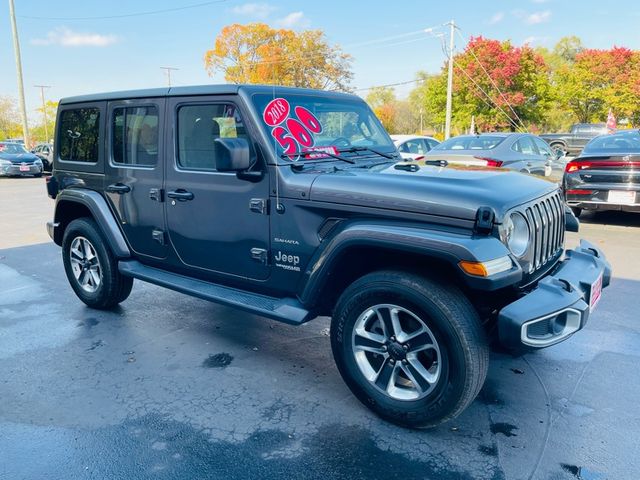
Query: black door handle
(118, 188)
(180, 195)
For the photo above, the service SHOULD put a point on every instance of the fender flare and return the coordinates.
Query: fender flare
(102, 215)
(448, 246)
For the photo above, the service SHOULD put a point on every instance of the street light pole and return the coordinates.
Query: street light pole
(447, 126)
(168, 70)
(44, 110)
(16, 49)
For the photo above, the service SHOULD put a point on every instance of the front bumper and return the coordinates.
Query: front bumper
(559, 305)
(597, 197)
(14, 170)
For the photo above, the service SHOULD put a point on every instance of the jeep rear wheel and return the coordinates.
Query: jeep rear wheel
(409, 348)
(91, 267)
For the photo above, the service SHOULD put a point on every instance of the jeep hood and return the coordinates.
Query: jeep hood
(453, 191)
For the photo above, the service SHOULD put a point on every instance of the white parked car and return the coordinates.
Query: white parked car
(413, 147)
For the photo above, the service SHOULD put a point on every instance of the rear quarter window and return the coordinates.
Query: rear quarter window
(79, 135)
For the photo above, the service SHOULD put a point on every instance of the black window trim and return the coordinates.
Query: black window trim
(209, 101)
(137, 103)
(91, 167)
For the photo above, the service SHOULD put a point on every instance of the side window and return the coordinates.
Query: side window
(199, 126)
(431, 143)
(414, 146)
(78, 139)
(525, 145)
(543, 147)
(135, 136)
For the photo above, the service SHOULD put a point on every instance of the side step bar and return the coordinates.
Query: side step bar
(287, 310)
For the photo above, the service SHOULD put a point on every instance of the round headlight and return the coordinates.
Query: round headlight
(516, 234)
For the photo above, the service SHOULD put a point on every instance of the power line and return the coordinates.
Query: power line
(382, 40)
(456, 64)
(488, 96)
(125, 15)
(493, 82)
(389, 85)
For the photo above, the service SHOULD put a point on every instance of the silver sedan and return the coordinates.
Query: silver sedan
(516, 151)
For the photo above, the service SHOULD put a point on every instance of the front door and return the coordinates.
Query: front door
(134, 170)
(217, 222)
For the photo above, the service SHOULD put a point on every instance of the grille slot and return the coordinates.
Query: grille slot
(546, 218)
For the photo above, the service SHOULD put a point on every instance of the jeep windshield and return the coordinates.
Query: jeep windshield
(307, 127)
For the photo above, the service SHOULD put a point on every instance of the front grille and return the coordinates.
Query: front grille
(546, 218)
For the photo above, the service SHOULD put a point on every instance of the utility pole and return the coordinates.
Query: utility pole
(44, 110)
(168, 71)
(447, 126)
(16, 49)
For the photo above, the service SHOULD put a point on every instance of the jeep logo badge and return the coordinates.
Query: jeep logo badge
(287, 261)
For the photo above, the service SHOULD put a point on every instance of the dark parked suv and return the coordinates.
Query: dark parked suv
(293, 203)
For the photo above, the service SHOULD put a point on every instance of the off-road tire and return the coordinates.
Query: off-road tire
(114, 288)
(447, 312)
(576, 211)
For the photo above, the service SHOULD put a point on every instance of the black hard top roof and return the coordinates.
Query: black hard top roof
(225, 89)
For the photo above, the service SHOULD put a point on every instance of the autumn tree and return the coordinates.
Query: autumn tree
(501, 85)
(257, 53)
(599, 80)
(383, 102)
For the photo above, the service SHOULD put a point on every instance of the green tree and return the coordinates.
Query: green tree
(10, 126)
(257, 53)
(37, 131)
(501, 85)
(599, 80)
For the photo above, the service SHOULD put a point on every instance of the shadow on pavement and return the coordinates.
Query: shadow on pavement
(621, 219)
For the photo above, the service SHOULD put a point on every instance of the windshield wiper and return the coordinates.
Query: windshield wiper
(367, 149)
(337, 157)
(436, 163)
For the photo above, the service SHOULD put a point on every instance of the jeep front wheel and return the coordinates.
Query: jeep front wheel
(409, 348)
(91, 268)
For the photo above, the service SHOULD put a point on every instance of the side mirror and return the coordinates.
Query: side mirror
(558, 154)
(572, 224)
(232, 154)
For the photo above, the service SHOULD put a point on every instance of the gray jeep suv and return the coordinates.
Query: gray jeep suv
(293, 203)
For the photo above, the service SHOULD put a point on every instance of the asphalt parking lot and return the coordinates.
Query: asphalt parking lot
(171, 387)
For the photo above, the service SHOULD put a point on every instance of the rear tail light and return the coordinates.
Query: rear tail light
(572, 167)
(576, 165)
(491, 162)
(579, 192)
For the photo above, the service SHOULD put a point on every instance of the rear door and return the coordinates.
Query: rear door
(529, 158)
(134, 172)
(217, 222)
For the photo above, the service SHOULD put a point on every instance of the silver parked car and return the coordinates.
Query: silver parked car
(516, 151)
(413, 147)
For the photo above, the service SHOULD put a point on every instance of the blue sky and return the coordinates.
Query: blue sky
(77, 56)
